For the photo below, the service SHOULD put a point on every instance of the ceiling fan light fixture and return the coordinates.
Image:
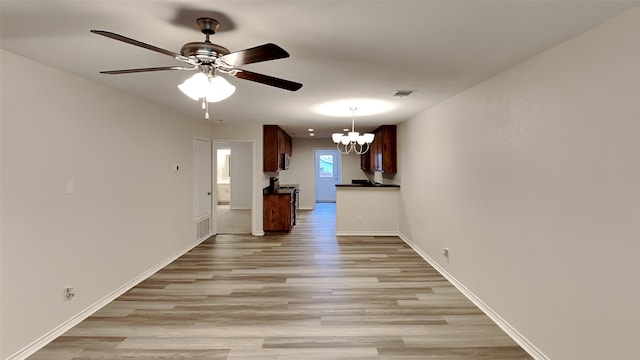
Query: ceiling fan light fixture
(196, 86)
(214, 88)
(219, 89)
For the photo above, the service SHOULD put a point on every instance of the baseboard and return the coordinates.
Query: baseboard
(76, 319)
(495, 317)
(367, 233)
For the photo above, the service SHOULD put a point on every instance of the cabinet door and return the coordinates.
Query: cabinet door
(276, 142)
(270, 158)
(288, 144)
(365, 159)
(224, 194)
(276, 211)
(389, 153)
(382, 151)
(377, 150)
(281, 148)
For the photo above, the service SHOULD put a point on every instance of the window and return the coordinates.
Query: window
(326, 166)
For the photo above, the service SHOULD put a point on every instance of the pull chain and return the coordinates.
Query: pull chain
(205, 107)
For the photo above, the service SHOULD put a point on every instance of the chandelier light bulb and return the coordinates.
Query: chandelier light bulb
(368, 138)
(353, 135)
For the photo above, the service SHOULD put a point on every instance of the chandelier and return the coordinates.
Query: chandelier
(353, 141)
(207, 86)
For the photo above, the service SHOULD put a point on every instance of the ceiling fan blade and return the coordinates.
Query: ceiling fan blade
(267, 80)
(129, 71)
(140, 44)
(255, 54)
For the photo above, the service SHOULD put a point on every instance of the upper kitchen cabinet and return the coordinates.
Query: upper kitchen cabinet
(277, 147)
(382, 154)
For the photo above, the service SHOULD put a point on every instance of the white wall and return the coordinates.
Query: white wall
(367, 211)
(129, 211)
(350, 169)
(241, 174)
(531, 179)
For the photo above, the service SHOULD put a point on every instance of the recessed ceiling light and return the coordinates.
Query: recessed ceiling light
(310, 130)
(341, 108)
(312, 134)
(346, 129)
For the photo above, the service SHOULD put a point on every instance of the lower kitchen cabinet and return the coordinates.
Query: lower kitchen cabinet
(278, 211)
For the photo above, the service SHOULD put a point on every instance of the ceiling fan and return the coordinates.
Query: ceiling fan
(210, 58)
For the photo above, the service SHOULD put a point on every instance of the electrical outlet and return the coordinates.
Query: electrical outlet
(69, 293)
(445, 252)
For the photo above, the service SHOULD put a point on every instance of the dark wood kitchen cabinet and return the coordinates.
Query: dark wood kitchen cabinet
(277, 146)
(278, 211)
(382, 154)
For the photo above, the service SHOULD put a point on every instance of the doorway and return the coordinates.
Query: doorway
(327, 175)
(234, 169)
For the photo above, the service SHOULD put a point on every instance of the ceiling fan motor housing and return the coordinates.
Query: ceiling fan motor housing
(206, 52)
(208, 26)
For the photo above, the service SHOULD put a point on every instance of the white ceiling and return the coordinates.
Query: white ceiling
(339, 49)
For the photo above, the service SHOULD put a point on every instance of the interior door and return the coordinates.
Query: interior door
(327, 174)
(202, 179)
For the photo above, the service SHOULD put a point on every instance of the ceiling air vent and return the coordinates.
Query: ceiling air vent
(402, 93)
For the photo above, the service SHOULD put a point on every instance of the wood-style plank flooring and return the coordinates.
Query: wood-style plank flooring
(303, 295)
(233, 221)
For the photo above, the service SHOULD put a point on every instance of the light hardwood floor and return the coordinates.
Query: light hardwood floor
(303, 295)
(233, 221)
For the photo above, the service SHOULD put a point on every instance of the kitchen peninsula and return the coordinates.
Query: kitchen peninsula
(367, 209)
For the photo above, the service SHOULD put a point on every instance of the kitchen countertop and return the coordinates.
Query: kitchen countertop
(368, 185)
(283, 190)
